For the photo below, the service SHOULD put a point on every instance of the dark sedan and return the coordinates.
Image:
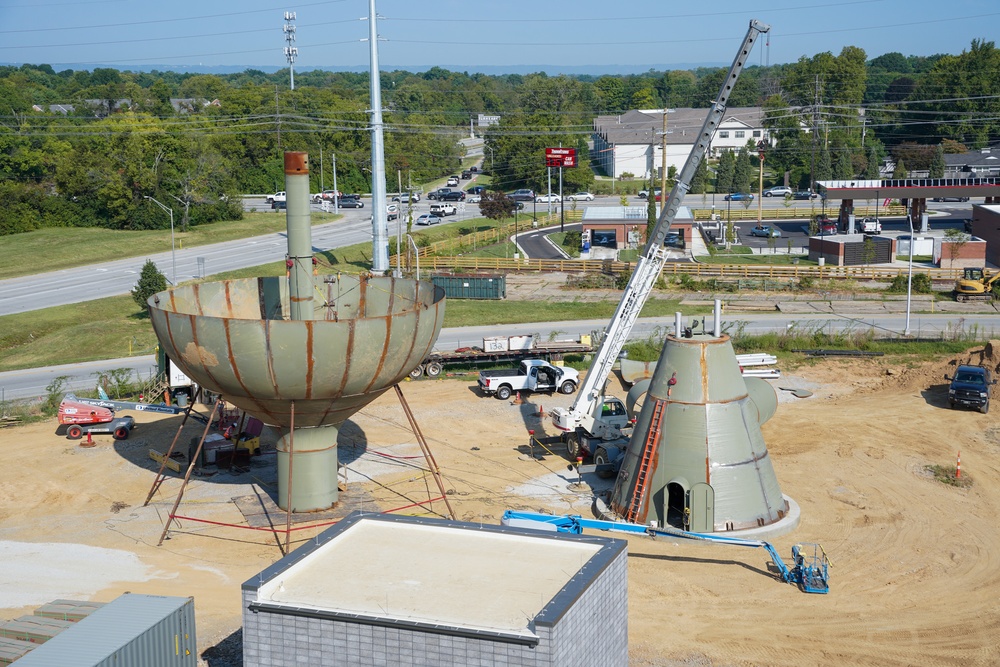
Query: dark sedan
(454, 195)
(351, 202)
(476, 190)
(805, 194)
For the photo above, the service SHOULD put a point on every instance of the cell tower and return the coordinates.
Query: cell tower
(290, 51)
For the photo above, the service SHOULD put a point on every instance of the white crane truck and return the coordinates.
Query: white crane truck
(594, 424)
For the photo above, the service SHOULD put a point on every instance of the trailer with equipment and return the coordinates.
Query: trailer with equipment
(582, 424)
(501, 349)
(810, 564)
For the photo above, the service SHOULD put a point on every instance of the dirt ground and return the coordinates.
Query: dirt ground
(916, 563)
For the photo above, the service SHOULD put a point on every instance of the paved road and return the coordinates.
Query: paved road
(67, 286)
(31, 383)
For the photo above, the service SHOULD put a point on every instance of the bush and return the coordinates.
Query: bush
(921, 284)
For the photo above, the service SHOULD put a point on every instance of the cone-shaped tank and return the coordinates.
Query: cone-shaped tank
(301, 353)
(697, 444)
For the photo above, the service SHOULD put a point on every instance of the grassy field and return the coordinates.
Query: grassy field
(66, 247)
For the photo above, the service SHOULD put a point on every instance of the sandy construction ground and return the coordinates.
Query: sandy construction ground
(916, 563)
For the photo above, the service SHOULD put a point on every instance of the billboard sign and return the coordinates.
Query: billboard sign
(560, 157)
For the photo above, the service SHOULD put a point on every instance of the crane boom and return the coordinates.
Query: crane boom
(590, 397)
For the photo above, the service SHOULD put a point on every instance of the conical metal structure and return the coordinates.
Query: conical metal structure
(303, 352)
(697, 459)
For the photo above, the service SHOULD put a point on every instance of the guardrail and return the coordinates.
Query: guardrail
(696, 270)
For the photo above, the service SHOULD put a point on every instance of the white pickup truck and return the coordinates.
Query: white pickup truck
(442, 210)
(276, 197)
(531, 375)
(871, 226)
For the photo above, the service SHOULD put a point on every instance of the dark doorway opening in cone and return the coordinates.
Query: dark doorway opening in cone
(676, 505)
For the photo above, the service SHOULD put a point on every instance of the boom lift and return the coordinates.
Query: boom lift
(582, 425)
(975, 285)
(810, 568)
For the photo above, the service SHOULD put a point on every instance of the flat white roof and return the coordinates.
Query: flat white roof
(443, 574)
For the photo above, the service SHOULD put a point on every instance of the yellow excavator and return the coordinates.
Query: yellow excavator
(975, 285)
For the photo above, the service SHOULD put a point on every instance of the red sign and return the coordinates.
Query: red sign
(560, 157)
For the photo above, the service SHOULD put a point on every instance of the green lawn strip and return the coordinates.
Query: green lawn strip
(56, 248)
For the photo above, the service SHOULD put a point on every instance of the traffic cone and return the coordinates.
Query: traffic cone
(90, 441)
(541, 410)
(517, 398)
(958, 466)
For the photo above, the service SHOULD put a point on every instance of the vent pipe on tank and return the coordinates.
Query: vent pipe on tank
(718, 318)
(300, 256)
(678, 330)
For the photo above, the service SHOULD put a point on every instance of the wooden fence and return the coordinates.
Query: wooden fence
(695, 270)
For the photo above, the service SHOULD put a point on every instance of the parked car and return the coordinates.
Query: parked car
(541, 199)
(442, 210)
(473, 199)
(645, 193)
(391, 212)
(452, 180)
(778, 191)
(473, 169)
(580, 196)
(476, 190)
(949, 199)
(970, 387)
(766, 231)
(407, 197)
(522, 195)
(824, 225)
(427, 219)
(351, 202)
(279, 205)
(739, 196)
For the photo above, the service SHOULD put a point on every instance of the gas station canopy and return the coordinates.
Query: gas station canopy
(911, 188)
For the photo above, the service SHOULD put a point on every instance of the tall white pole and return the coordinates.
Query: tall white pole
(173, 256)
(549, 192)
(336, 198)
(909, 278)
(380, 226)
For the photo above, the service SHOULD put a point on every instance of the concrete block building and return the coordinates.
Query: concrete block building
(394, 590)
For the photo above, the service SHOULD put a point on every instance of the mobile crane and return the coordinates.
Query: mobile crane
(583, 425)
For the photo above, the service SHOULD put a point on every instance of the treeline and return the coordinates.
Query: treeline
(197, 141)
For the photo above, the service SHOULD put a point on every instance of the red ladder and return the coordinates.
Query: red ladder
(652, 441)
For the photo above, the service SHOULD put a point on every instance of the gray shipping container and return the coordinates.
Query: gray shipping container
(139, 630)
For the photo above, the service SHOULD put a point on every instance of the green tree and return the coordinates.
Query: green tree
(844, 168)
(699, 182)
(824, 167)
(725, 171)
(743, 170)
(150, 282)
(956, 239)
(936, 168)
(868, 250)
(873, 159)
(651, 207)
(496, 205)
(900, 172)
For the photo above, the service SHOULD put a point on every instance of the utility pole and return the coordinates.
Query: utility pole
(760, 188)
(277, 116)
(562, 209)
(290, 51)
(812, 164)
(321, 168)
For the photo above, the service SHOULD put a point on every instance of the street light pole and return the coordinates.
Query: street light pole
(909, 278)
(173, 256)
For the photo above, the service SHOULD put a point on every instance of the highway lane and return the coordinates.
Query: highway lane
(31, 383)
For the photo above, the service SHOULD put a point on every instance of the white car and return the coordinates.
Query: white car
(428, 219)
(473, 199)
(452, 181)
(580, 196)
(541, 199)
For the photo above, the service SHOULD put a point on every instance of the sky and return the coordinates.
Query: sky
(574, 36)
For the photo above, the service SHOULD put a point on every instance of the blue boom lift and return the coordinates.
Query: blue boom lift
(810, 564)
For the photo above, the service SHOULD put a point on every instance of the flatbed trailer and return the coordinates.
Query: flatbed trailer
(436, 362)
